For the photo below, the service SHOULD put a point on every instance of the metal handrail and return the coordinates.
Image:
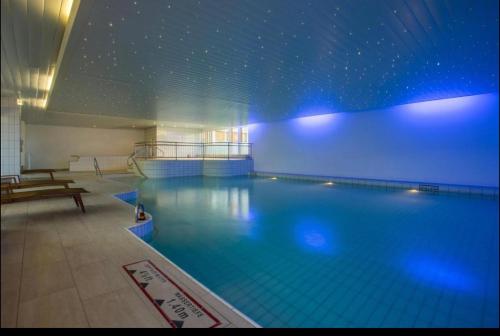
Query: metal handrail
(192, 150)
(96, 167)
(192, 143)
(134, 162)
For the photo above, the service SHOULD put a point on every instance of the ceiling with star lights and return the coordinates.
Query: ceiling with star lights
(232, 62)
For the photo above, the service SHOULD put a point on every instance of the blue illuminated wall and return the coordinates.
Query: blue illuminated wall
(443, 141)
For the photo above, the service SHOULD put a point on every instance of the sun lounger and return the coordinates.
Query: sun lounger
(10, 179)
(39, 171)
(36, 184)
(23, 196)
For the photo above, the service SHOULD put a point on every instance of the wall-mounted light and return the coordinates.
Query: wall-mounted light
(315, 120)
(19, 102)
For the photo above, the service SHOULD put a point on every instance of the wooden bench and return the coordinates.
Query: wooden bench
(34, 195)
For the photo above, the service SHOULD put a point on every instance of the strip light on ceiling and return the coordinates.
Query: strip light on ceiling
(66, 10)
(66, 7)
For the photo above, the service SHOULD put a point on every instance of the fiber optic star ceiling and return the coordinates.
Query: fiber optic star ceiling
(238, 61)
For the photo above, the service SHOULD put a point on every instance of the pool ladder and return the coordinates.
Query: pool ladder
(131, 162)
(96, 167)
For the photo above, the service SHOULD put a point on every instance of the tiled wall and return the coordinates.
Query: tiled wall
(11, 137)
(227, 167)
(175, 168)
(170, 168)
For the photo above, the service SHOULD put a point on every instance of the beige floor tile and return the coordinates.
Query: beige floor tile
(225, 311)
(13, 223)
(95, 245)
(99, 278)
(14, 210)
(124, 256)
(34, 225)
(9, 301)
(11, 280)
(43, 254)
(12, 237)
(79, 235)
(172, 271)
(11, 276)
(34, 238)
(60, 309)
(82, 254)
(45, 279)
(121, 308)
(11, 253)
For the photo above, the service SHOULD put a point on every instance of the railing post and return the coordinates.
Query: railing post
(228, 150)
(176, 150)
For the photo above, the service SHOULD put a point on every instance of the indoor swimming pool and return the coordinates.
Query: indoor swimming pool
(306, 254)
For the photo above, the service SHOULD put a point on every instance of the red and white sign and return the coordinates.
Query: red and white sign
(173, 302)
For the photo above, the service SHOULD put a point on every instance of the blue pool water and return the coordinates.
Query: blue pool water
(302, 254)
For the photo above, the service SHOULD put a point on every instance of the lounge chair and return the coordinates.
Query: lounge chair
(35, 184)
(39, 171)
(10, 179)
(45, 193)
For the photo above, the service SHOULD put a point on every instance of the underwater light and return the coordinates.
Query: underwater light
(274, 178)
(413, 191)
(329, 183)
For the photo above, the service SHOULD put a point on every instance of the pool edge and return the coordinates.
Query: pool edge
(150, 220)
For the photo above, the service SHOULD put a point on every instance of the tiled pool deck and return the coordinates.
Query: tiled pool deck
(63, 268)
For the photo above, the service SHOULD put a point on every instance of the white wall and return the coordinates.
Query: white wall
(52, 146)
(177, 134)
(446, 141)
(11, 136)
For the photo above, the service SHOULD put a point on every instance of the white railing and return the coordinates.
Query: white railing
(192, 150)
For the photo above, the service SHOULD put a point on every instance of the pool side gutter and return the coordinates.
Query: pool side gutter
(490, 192)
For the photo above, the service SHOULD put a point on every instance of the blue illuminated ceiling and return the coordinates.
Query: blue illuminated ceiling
(233, 62)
